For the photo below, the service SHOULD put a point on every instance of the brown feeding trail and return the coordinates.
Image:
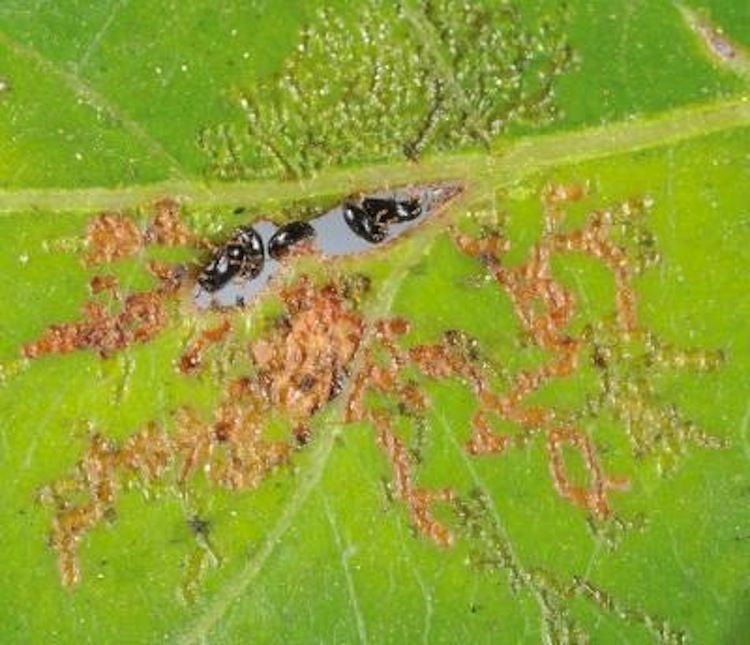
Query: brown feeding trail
(544, 309)
(112, 321)
(167, 228)
(192, 359)
(113, 236)
(108, 327)
(385, 380)
(296, 369)
(306, 359)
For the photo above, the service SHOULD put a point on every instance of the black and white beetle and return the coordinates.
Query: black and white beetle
(242, 256)
(349, 229)
(370, 219)
(364, 225)
(392, 210)
(288, 236)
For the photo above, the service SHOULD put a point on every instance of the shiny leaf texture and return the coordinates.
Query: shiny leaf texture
(524, 421)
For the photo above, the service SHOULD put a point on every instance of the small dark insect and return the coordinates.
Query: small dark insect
(364, 225)
(391, 210)
(242, 256)
(198, 525)
(370, 219)
(288, 236)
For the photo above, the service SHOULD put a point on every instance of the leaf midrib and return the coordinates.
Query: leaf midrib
(502, 164)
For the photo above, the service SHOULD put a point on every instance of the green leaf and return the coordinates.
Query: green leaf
(542, 430)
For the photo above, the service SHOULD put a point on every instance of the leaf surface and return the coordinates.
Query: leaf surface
(630, 169)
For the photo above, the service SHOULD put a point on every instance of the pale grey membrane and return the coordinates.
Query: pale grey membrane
(333, 238)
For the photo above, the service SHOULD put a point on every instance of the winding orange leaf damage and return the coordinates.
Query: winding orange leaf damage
(307, 359)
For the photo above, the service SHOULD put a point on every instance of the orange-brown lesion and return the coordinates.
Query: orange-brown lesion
(111, 321)
(592, 498)
(107, 327)
(298, 366)
(305, 359)
(544, 309)
(115, 236)
(419, 501)
(231, 451)
(303, 362)
(104, 284)
(382, 377)
(87, 497)
(167, 227)
(296, 369)
(111, 237)
(191, 359)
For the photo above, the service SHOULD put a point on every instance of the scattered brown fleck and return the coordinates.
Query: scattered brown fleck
(563, 193)
(147, 454)
(141, 317)
(302, 434)
(111, 237)
(167, 229)
(170, 276)
(102, 283)
(191, 361)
